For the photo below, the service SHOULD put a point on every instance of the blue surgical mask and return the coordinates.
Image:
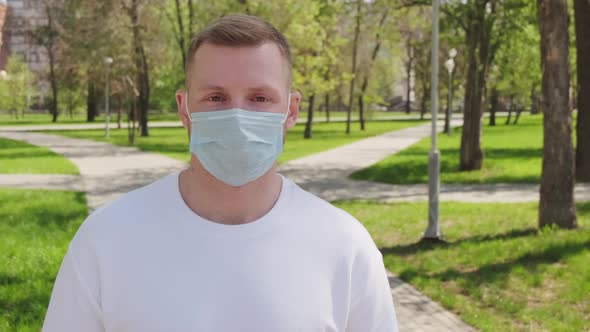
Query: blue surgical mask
(237, 146)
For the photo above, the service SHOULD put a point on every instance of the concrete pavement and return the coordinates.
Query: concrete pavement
(106, 170)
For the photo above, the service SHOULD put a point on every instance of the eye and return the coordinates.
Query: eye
(215, 98)
(261, 99)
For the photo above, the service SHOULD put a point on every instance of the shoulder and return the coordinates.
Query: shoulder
(328, 219)
(123, 215)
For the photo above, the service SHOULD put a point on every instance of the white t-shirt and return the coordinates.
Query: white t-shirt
(147, 262)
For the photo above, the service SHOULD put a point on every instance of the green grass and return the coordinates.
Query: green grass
(77, 118)
(496, 271)
(513, 154)
(173, 142)
(35, 229)
(7, 119)
(21, 157)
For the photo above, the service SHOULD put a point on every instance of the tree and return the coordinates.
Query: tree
(48, 36)
(582, 26)
(516, 73)
(384, 10)
(557, 206)
(16, 87)
(478, 35)
(142, 78)
(355, 43)
(485, 23)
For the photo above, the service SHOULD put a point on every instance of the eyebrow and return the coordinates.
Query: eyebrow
(264, 87)
(209, 87)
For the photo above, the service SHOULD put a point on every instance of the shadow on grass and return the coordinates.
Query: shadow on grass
(27, 154)
(583, 208)
(151, 147)
(422, 246)
(498, 272)
(411, 167)
(45, 215)
(28, 306)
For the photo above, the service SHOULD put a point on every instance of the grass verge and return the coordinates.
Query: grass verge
(35, 229)
(513, 154)
(497, 271)
(173, 142)
(21, 157)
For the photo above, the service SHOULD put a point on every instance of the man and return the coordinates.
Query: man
(227, 244)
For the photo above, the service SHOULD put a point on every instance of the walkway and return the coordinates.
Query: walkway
(106, 171)
(326, 174)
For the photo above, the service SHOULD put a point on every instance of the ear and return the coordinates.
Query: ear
(181, 108)
(293, 110)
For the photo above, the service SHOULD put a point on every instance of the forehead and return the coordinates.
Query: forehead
(238, 67)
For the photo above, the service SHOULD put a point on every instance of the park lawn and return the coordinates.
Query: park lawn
(513, 154)
(7, 119)
(21, 157)
(36, 228)
(173, 142)
(496, 271)
(77, 118)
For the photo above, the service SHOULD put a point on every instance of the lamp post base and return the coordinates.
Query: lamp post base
(433, 229)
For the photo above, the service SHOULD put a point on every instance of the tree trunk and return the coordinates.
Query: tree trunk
(582, 17)
(51, 57)
(533, 98)
(357, 31)
(132, 115)
(424, 97)
(327, 102)
(362, 111)
(493, 107)
(53, 83)
(557, 205)
(409, 65)
(141, 68)
(119, 105)
(518, 112)
(368, 73)
(479, 56)
(180, 38)
(191, 17)
(308, 124)
(510, 107)
(91, 104)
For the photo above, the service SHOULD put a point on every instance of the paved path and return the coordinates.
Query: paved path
(106, 171)
(326, 174)
(417, 312)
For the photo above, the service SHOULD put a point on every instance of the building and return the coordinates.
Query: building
(3, 49)
(18, 18)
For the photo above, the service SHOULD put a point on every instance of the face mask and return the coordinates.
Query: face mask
(237, 146)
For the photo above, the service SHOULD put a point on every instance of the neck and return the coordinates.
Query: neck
(218, 202)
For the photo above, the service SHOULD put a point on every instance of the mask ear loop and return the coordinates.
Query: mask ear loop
(186, 106)
(288, 109)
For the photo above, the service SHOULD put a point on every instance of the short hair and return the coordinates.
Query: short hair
(240, 30)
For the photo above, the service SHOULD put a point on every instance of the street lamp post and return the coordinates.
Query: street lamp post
(450, 64)
(108, 61)
(433, 230)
